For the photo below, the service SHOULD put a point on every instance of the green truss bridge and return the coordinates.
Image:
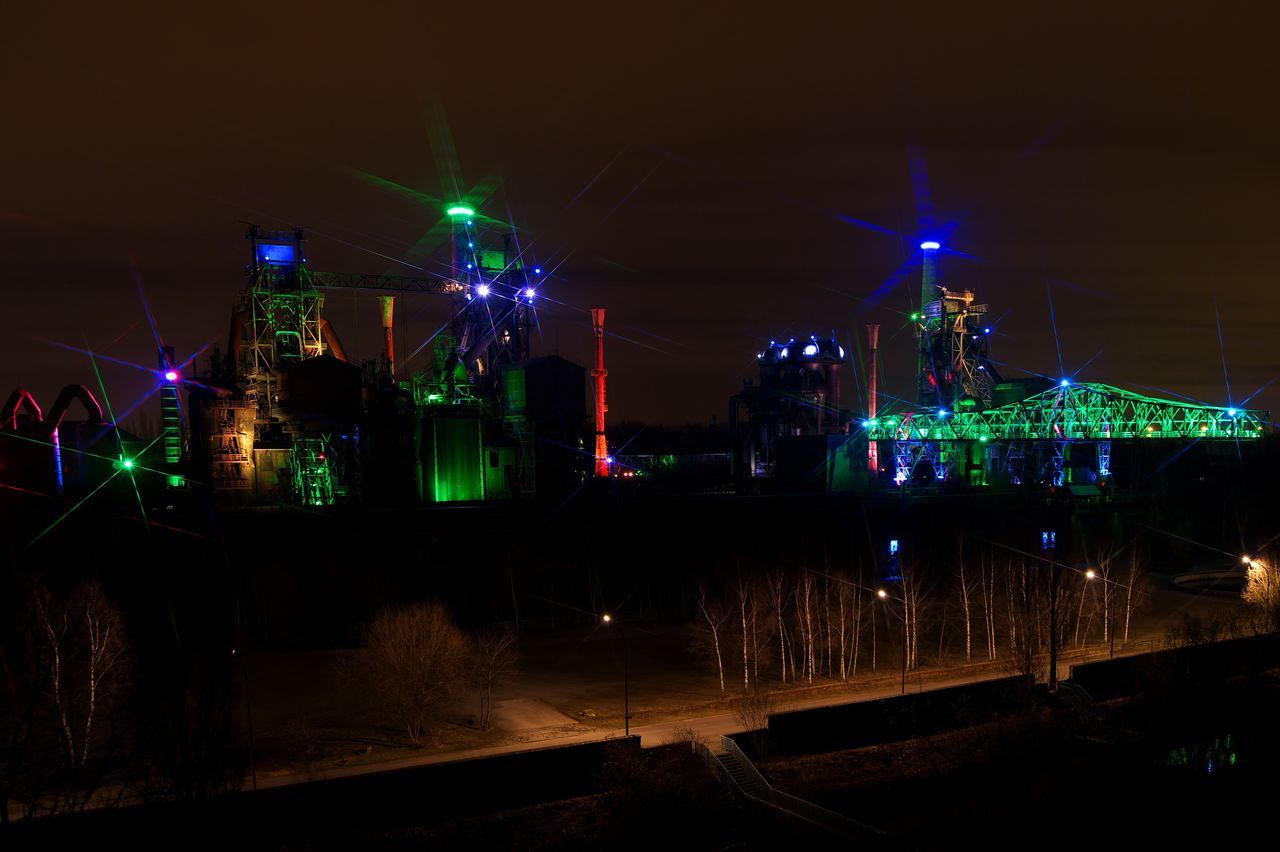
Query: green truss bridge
(1075, 412)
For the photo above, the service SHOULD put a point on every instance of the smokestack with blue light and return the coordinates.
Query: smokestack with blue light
(929, 274)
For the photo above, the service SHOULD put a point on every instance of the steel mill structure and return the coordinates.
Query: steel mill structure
(284, 416)
(789, 426)
(969, 427)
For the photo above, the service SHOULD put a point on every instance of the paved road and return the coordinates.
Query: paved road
(707, 727)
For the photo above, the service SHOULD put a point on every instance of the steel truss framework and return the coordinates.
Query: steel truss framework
(284, 319)
(953, 351)
(1077, 412)
(387, 284)
(312, 479)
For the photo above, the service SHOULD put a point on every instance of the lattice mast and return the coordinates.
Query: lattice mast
(172, 427)
(282, 306)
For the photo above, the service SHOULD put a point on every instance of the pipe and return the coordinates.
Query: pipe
(473, 353)
(20, 398)
(600, 374)
(388, 332)
(873, 344)
(331, 340)
(66, 396)
(234, 336)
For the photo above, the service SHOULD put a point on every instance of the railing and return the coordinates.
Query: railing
(767, 808)
(816, 814)
(776, 802)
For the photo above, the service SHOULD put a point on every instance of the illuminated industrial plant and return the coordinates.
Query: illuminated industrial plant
(285, 416)
(969, 426)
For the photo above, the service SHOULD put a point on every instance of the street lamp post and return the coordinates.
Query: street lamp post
(885, 596)
(248, 709)
(626, 686)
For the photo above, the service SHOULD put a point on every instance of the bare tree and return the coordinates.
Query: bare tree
(778, 599)
(848, 599)
(77, 679)
(915, 594)
(415, 659)
(493, 657)
(1106, 571)
(761, 628)
(752, 712)
(743, 587)
(714, 615)
(987, 582)
(1262, 591)
(1023, 603)
(804, 596)
(966, 591)
(1132, 595)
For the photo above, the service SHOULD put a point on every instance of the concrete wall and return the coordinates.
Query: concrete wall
(893, 719)
(1177, 668)
(335, 812)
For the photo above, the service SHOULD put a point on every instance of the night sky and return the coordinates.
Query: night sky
(713, 175)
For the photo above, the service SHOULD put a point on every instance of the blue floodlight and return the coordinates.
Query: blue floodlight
(483, 289)
(273, 253)
(930, 245)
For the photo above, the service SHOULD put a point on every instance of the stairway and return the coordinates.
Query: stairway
(745, 780)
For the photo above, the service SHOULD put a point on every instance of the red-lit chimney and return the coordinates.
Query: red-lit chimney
(602, 443)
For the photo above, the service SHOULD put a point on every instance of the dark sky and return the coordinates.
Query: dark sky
(714, 175)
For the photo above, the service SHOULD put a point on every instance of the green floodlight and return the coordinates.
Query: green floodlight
(461, 210)
(126, 464)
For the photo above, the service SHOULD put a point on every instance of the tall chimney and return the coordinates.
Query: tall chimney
(600, 373)
(929, 275)
(926, 383)
(461, 249)
(873, 343)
